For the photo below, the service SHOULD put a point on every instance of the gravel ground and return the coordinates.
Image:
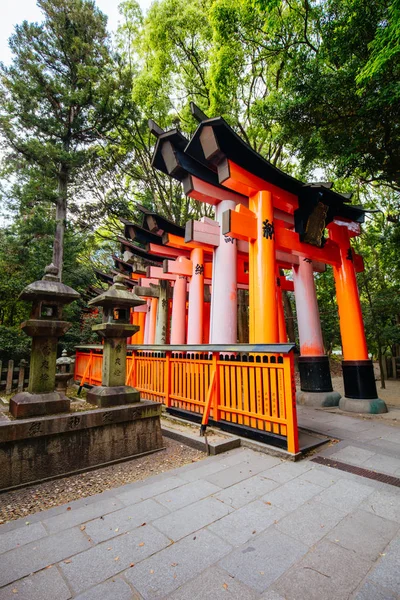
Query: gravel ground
(33, 499)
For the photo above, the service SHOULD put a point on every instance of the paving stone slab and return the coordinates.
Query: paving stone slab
(247, 522)
(345, 494)
(113, 589)
(55, 510)
(191, 518)
(393, 436)
(379, 445)
(214, 584)
(383, 464)
(327, 572)
(387, 574)
(143, 492)
(186, 494)
(35, 518)
(241, 471)
(124, 520)
(201, 471)
(369, 591)
(44, 585)
(271, 595)
(162, 573)
(259, 563)
(109, 558)
(292, 494)
(237, 456)
(372, 436)
(321, 476)
(364, 533)
(246, 491)
(384, 503)
(20, 537)
(286, 471)
(39, 554)
(353, 455)
(310, 522)
(70, 518)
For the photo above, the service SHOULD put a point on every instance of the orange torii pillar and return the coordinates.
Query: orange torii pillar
(256, 225)
(151, 296)
(315, 376)
(141, 312)
(178, 316)
(358, 372)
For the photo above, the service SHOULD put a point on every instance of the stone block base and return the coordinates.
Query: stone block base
(372, 406)
(25, 404)
(36, 449)
(322, 399)
(104, 396)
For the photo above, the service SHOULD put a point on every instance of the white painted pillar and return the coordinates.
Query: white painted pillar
(223, 326)
(310, 334)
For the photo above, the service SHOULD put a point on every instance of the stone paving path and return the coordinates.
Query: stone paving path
(243, 525)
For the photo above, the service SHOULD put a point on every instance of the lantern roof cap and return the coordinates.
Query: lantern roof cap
(49, 288)
(117, 296)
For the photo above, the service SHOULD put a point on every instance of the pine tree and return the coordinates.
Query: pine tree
(57, 99)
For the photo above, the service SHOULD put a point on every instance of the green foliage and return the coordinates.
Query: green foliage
(385, 49)
(308, 84)
(14, 344)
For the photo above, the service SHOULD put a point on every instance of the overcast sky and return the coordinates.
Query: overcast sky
(13, 12)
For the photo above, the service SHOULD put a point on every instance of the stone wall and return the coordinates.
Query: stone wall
(35, 449)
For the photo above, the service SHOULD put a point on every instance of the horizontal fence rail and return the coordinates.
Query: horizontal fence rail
(244, 388)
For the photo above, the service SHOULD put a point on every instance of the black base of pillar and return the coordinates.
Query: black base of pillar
(360, 388)
(359, 379)
(315, 375)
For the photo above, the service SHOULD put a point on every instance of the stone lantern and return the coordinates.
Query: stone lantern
(45, 326)
(114, 330)
(64, 373)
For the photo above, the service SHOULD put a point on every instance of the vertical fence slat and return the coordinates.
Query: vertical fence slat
(259, 398)
(9, 379)
(267, 397)
(21, 376)
(247, 391)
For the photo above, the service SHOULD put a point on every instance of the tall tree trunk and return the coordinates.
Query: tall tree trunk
(61, 219)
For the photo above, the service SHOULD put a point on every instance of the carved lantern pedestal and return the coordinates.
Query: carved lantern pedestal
(45, 326)
(114, 330)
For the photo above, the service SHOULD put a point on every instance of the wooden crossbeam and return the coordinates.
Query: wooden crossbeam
(238, 179)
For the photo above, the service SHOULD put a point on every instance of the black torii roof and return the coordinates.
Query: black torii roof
(171, 158)
(214, 142)
(152, 222)
(139, 234)
(152, 258)
(121, 264)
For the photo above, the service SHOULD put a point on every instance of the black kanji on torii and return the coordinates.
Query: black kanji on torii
(349, 255)
(199, 270)
(268, 230)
